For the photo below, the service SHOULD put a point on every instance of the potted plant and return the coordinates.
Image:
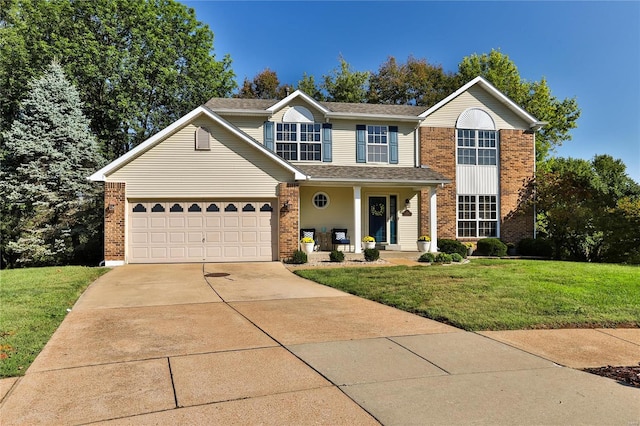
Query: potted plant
(306, 244)
(469, 247)
(368, 242)
(424, 242)
(511, 249)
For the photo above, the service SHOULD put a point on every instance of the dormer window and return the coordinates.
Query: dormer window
(298, 138)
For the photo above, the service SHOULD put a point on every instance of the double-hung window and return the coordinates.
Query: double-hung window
(477, 147)
(377, 144)
(477, 216)
(299, 141)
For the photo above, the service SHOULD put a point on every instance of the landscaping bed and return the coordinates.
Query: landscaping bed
(629, 376)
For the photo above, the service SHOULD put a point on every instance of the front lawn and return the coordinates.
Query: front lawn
(500, 294)
(33, 303)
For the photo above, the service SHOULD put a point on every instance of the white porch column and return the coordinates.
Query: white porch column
(357, 219)
(433, 219)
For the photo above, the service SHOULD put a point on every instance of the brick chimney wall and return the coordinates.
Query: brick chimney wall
(288, 220)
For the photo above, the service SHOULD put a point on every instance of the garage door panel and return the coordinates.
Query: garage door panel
(213, 237)
(196, 231)
(231, 221)
(158, 252)
(213, 222)
(139, 237)
(249, 237)
(176, 222)
(194, 237)
(177, 237)
(231, 236)
(158, 223)
(158, 237)
(249, 222)
(195, 222)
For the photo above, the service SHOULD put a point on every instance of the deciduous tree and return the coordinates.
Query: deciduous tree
(138, 65)
(345, 85)
(535, 97)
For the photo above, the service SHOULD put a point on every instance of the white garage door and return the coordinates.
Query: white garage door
(200, 231)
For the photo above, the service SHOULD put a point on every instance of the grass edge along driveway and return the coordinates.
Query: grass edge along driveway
(33, 303)
(492, 294)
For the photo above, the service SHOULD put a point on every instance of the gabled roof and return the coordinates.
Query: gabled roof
(101, 174)
(267, 107)
(533, 122)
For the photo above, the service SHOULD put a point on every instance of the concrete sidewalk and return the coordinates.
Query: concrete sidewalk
(253, 343)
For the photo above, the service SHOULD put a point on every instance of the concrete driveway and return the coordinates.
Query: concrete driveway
(255, 344)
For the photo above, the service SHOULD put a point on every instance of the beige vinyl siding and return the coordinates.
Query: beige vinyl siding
(252, 126)
(475, 97)
(174, 169)
(408, 225)
(338, 214)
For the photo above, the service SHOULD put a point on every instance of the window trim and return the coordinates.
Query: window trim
(476, 213)
(475, 146)
(298, 142)
(386, 144)
(317, 194)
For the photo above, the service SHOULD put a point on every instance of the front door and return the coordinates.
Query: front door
(378, 218)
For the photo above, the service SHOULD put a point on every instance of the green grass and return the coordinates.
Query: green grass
(33, 303)
(500, 294)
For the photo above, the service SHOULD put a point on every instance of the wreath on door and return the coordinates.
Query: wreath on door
(377, 210)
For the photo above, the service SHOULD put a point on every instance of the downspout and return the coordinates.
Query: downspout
(416, 148)
(535, 213)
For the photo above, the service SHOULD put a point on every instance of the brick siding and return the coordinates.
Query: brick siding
(288, 220)
(437, 150)
(114, 194)
(517, 162)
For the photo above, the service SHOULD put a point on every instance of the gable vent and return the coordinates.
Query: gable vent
(202, 139)
(475, 118)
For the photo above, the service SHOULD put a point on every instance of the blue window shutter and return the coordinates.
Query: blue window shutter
(393, 144)
(361, 144)
(326, 142)
(268, 135)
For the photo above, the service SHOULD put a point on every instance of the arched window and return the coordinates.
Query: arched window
(298, 137)
(477, 138)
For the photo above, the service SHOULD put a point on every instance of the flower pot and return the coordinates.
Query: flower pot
(369, 244)
(307, 247)
(469, 251)
(423, 246)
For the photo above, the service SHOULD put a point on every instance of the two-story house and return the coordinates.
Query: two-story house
(238, 179)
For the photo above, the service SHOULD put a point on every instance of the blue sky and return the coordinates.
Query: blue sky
(587, 50)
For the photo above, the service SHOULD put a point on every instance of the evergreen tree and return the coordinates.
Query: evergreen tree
(50, 211)
(345, 85)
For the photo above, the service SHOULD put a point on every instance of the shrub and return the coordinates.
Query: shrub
(336, 256)
(456, 257)
(538, 247)
(299, 257)
(491, 247)
(427, 258)
(371, 254)
(443, 258)
(452, 246)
